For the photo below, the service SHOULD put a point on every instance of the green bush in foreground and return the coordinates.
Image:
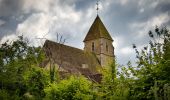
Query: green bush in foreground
(73, 88)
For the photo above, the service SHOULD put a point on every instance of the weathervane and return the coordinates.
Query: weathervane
(97, 4)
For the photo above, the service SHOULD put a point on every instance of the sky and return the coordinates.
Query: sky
(128, 21)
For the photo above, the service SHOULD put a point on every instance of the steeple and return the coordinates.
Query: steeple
(97, 30)
(99, 41)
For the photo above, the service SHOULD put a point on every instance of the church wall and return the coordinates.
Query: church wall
(107, 47)
(103, 48)
(88, 46)
(105, 60)
(107, 52)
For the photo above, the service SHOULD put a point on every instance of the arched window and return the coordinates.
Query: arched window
(106, 47)
(92, 46)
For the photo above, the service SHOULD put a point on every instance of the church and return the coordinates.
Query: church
(98, 52)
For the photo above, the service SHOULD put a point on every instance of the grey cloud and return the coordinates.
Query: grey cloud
(163, 6)
(10, 7)
(11, 12)
(121, 16)
(84, 4)
(2, 22)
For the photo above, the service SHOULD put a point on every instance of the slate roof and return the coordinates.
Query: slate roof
(97, 30)
(72, 59)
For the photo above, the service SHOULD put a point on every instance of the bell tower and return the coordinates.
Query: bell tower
(99, 41)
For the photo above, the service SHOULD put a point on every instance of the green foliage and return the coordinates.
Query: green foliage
(36, 79)
(112, 87)
(74, 88)
(17, 58)
(4, 94)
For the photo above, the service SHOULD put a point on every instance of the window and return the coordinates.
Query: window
(106, 47)
(92, 46)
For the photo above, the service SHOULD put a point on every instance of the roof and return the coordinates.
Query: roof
(72, 59)
(97, 30)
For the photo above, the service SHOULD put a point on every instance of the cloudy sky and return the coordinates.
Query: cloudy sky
(128, 21)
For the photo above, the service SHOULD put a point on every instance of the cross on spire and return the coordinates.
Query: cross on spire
(97, 4)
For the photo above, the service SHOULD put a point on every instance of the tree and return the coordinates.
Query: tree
(151, 74)
(36, 79)
(17, 57)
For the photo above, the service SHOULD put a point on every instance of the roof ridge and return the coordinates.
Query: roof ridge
(63, 45)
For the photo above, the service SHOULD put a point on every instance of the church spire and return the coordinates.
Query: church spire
(97, 30)
(99, 41)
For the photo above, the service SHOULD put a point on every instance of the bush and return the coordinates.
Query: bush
(74, 88)
(36, 79)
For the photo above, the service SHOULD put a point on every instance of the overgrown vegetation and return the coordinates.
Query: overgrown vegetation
(21, 77)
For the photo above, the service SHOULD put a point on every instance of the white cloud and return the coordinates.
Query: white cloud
(126, 51)
(141, 10)
(35, 25)
(123, 2)
(118, 42)
(10, 38)
(43, 5)
(53, 17)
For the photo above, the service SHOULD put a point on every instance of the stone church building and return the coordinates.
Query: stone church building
(98, 52)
